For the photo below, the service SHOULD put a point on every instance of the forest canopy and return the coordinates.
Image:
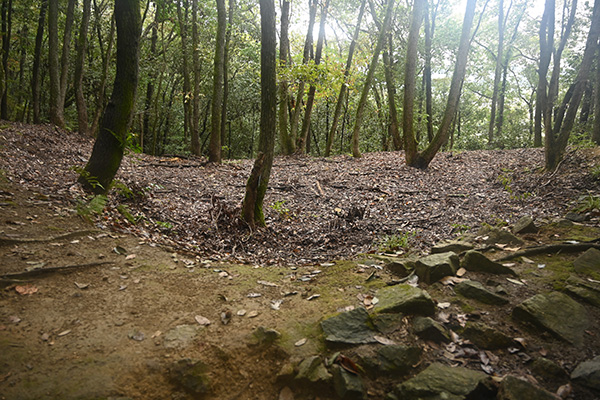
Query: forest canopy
(199, 73)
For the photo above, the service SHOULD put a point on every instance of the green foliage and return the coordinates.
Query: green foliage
(122, 189)
(94, 207)
(395, 242)
(587, 202)
(280, 208)
(91, 180)
(460, 228)
(164, 225)
(595, 172)
(126, 212)
(506, 181)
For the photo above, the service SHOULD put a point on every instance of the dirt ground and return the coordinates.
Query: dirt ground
(102, 328)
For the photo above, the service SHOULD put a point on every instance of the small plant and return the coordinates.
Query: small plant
(94, 207)
(164, 225)
(122, 189)
(126, 212)
(91, 180)
(587, 203)
(506, 181)
(395, 242)
(280, 208)
(595, 172)
(460, 228)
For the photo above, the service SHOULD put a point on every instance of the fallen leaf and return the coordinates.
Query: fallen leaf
(487, 369)
(130, 257)
(509, 265)
(513, 249)
(564, 391)
(13, 319)
(64, 333)
(45, 337)
(253, 295)
(515, 281)
(82, 285)
(348, 364)
(266, 283)
(202, 320)
(527, 260)
(540, 266)
(223, 274)
(443, 305)
(156, 334)
(138, 336)
(314, 296)
(461, 271)
(241, 313)
(383, 340)
(119, 250)
(301, 342)
(122, 287)
(26, 289)
(252, 314)
(275, 304)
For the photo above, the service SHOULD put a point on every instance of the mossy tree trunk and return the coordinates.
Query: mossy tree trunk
(256, 187)
(214, 147)
(110, 143)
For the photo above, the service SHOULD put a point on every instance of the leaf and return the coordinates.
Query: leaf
(348, 364)
(275, 304)
(443, 305)
(540, 266)
(252, 314)
(254, 295)
(461, 271)
(138, 336)
(314, 296)
(527, 260)
(26, 289)
(82, 285)
(301, 342)
(130, 257)
(64, 333)
(269, 284)
(383, 340)
(202, 320)
(241, 313)
(515, 281)
(119, 250)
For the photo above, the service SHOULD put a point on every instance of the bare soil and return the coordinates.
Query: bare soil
(99, 330)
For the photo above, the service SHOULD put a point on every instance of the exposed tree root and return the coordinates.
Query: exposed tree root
(5, 241)
(553, 248)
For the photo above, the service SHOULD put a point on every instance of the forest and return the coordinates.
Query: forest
(321, 199)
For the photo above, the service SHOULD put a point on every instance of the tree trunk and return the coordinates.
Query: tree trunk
(195, 118)
(64, 58)
(82, 115)
(430, 17)
(287, 144)
(102, 89)
(6, 37)
(37, 56)
(303, 138)
(312, 4)
(497, 72)
(344, 89)
(393, 126)
(596, 127)
(226, 70)
(110, 143)
(252, 208)
(214, 148)
(422, 160)
(187, 88)
(555, 147)
(369, 79)
(151, 79)
(56, 115)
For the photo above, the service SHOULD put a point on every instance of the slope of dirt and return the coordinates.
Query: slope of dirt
(105, 328)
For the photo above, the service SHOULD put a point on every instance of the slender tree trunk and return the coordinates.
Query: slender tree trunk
(596, 127)
(287, 144)
(344, 89)
(108, 148)
(102, 89)
(303, 138)
(308, 43)
(214, 148)
(187, 87)
(566, 115)
(369, 79)
(393, 126)
(252, 208)
(430, 17)
(37, 56)
(56, 115)
(195, 119)
(151, 79)
(497, 73)
(64, 58)
(422, 160)
(82, 115)
(231, 8)
(6, 37)
(546, 36)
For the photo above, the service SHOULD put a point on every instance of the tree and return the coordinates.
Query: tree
(82, 115)
(110, 143)
(214, 149)
(6, 37)
(37, 55)
(414, 158)
(256, 187)
(287, 144)
(369, 79)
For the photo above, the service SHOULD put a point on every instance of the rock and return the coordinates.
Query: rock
(588, 263)
(563, 223)
(180, 336)
(191, 375)
(524, 225)
(475, 290)
(286, 394)
(455, 246)
(311, 369)
(499, 236)
(582, 293)
(588, 373)
(549, 371)
(286, 373)
(398, 359)
(513, 388)
(477, 262)
(434, 267)
(576, 217)
(263, 337)
(428, 329)
(400, 267)
(556, 313)
(486, 337)
(351, 327)
(404, 299)
(387, 323)
(439, 381)
(347, 385)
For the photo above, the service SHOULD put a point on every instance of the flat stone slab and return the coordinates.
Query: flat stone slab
(486, 337)
(180, 336)
(439, 381)
(582, 293)
(524, 225)
(476, 262)
(455, 246)
(428, 329)
(588, 373)
(588, 263)
(513, 388)
(404, 299)
(499, 236)
(313, 370)
(434, 267)
(475, 290)
(347, 385)
(351, 327)
(556, 313)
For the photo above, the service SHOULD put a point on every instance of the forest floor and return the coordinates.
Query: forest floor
(166, 249)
